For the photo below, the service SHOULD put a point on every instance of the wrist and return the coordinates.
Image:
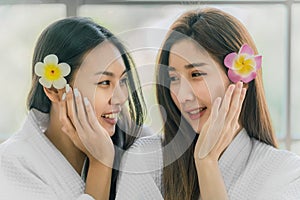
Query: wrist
(206, 163)
(108, 161)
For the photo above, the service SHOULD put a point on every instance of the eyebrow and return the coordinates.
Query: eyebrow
(193, 65)
(188, 66)
(109, 73)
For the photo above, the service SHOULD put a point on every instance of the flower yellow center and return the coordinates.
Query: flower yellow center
(244, 66)
(52, 72)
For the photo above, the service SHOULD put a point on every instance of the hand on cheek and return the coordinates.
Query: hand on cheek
(222, 124)
(81, 125)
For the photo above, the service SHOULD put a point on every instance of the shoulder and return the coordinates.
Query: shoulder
(281, 166)
(273, 155)
(23, 142)
(15, 145)
(146, 142)
(20, 149)
(145, 154)
(278, 170)
(16, 154)
(141, 170)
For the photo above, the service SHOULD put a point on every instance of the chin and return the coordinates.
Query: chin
(197, 128)
(110, 130)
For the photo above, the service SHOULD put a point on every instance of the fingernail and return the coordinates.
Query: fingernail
(76, 92)
(63, 97)
(86, 101)
(67, 88)
(232, 87)
(240, 84)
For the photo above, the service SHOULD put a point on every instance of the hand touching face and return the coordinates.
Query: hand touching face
(102, 79)
(195, 82)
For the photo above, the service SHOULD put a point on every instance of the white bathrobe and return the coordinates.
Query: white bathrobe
(250, 169)
(32, 168)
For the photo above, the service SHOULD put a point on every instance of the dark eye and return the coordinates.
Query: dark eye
(104, 82)
(123, 81)
(197, 74)
(174, 78)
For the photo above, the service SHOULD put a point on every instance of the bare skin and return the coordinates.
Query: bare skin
(224, 121)
(197, 85)
(81, 124)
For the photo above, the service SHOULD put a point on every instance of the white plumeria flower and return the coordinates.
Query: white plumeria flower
(51, 72)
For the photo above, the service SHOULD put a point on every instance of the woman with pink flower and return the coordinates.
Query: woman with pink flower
(218, 141)
(75, 134)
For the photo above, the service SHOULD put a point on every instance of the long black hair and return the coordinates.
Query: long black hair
(219, 34)
(70, 39)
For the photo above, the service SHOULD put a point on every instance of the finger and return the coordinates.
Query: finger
(242, 98)
(216, 109)
(68, 127)
(235, 103)
(62, 109)
(72, 110)
(226, 101)
(70, 103)
(93, 121)
(211, 119)
(209, 140)
(81, 113)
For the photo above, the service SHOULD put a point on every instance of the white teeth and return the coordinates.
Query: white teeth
(201, 109)
(195, 112)
(111, 116)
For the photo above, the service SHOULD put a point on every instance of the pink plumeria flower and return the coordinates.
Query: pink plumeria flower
(51, 72)
(243, 66)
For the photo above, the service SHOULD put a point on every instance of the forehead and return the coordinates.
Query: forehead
(104, 57)
(188, 51)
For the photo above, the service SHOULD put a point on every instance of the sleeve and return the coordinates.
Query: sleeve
(140, 171)
(292, 191)
(290, 188)
(85, 197)
(290, 171)
(19, 181)
(284, 184)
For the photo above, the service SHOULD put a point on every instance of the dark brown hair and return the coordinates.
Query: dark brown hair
(219, 34)
(70, 40)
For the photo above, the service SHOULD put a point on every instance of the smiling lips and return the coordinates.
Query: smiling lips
(112, 117)
(196, 113)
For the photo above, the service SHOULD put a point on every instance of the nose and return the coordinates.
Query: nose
(119, 95)
(185, 92)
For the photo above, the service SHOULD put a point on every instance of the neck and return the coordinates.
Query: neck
(62, 142)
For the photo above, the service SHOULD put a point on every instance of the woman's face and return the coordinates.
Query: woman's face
(102, 79)
(196, 80)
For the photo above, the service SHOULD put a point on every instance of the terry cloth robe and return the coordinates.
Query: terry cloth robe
(250, 170)
(32, 168)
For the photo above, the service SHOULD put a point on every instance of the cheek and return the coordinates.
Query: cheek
(201, 91)
(100, 101)
(174, 92)
(214, 88)
(86, 88)
(175, 100)
(174, 88)
(125, 93)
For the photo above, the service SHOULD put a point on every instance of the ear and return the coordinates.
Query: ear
(54, 94)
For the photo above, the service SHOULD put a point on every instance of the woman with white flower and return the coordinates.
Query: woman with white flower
(218, 140)
(74, 136)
